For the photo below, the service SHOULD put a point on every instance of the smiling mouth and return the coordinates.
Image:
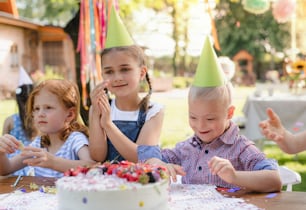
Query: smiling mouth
(121, 85)
(204, 132)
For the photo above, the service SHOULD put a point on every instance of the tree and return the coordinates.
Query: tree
(179, 11)
(50, 12)
(258, 34)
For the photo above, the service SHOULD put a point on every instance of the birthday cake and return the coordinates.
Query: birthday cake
(123, 185)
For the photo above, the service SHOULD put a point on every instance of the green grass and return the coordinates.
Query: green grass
(176, 128)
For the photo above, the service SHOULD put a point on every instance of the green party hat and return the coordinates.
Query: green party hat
(209, 72)
(117, 34)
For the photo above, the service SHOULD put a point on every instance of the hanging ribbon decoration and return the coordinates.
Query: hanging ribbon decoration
(91, 41)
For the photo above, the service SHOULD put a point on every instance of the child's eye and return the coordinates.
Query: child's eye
(125, 69)
(108, 72)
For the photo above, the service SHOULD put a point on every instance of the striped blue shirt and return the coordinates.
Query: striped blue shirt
(69, 150)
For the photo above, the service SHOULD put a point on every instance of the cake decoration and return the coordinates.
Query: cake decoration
(132, 172)
(100, 187)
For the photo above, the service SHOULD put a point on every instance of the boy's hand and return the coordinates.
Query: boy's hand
(223, 168)
(172, 169)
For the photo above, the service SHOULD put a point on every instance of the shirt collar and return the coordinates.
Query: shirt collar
(226, 137)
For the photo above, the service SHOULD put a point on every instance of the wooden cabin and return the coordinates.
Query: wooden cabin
(34, 47)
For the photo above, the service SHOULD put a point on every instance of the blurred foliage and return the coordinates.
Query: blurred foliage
(49, 12)
(258, 34)
(237, 29)
(182, 82)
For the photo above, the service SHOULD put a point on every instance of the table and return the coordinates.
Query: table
(278, 201)
(6, 182)
(290, 108)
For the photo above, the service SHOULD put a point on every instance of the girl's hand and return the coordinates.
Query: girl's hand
(97, 93)
(37, 157)
(9, 144)
(223, 168)
(105, 110)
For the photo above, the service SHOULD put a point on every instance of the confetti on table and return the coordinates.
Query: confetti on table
(235, 189)
(299, 124)
(271, 195)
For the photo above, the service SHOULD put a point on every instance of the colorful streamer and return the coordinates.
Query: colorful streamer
(91, 40)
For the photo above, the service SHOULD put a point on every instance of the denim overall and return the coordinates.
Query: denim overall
(131, 129)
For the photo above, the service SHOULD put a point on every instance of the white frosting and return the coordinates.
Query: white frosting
(108, 192)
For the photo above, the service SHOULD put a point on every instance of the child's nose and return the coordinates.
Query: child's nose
(117, 77)
(41, 112)
(201, 124)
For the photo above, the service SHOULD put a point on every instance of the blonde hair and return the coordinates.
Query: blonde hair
(68, 94)
(138, 54)
(221, 93)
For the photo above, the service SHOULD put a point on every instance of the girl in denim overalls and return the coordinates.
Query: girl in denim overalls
(118, 125)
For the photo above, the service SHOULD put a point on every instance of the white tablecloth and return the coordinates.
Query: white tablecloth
(290, 108)
(182, 197)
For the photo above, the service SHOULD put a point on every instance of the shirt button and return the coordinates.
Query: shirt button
(200, 168)
(206, 151)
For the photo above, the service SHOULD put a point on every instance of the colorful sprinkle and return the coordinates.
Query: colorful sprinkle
(141, 204)
(233, 189)
(84, 200)
(299, 124)
(23, 190)
(271, 195)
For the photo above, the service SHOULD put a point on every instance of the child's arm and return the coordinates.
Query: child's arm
(273, 129)
(149, 134)
(97, 137)
(9, 144)
(40, 157)
(8, 125)
(259, 181)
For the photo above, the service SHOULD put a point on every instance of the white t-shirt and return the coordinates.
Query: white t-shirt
(117, 114)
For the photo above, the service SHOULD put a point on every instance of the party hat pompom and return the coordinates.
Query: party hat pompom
(209, 72)
(117, 34)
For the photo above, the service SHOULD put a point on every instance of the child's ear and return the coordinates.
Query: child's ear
(71, 114)
(143, 72)
(230, 112)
